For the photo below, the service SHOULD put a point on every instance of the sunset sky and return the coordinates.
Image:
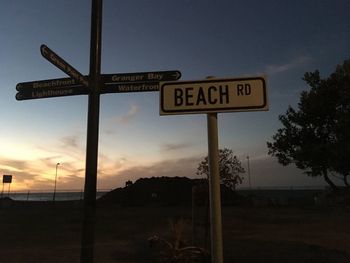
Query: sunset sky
(279, 39)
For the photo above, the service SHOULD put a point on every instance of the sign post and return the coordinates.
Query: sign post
(214, 189)
(88, 233)
(212, 96)
(6, 179)
(93, 85)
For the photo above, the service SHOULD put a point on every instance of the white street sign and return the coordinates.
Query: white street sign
(213, 95)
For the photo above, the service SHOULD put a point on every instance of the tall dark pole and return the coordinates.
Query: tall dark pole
(88, 233)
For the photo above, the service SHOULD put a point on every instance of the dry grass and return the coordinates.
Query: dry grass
(47, 233)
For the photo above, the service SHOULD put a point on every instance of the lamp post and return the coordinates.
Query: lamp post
(54, 191)
(250, 185)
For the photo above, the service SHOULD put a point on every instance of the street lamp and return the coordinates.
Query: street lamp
(54, 191)
(250, 185)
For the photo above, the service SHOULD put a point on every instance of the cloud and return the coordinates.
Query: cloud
(70, 182)
(107, 166)
(182, 167)
(125, 119)
(265, 171)
(299, 61)
(49, 161)
(70, 141)
(72, 146)
(174, 146)
(25, 173)
(9, 165)
(39, 172)
(69, 146)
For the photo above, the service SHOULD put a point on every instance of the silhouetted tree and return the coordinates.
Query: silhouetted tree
(340, 80)
(230, 168)
(128, 183)
(316, 136)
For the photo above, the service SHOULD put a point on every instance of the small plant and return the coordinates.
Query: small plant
(176, 250)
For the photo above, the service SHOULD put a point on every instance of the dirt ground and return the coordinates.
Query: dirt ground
(43, 232)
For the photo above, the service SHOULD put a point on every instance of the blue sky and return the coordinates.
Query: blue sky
(280, 39)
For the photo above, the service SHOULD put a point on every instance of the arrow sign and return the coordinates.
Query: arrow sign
(213, 95)
(49, 83)
(130, 87)
(128, 82)
(40, 93)
(59, 62)
(141, 76)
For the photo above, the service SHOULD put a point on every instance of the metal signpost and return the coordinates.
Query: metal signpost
(110, 83)
(88, 234)
(93, 85)
(212, 96)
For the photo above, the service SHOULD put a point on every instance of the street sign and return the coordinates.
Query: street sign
(48, 83)
(94, 85)
(6, 179)
(141, 76)
(59, 62)
(130, 87)
(114, 83)
(213, 95)
(53, 91)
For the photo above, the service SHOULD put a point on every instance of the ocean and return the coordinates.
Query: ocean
(48, 196)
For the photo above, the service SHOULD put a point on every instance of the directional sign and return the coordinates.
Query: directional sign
(63, 65)
(141, 76)
(213, 95)
(115, 83)
(130, 87)
(57, 91)
(49, 83)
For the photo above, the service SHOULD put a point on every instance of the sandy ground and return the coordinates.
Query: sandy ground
(51, 233)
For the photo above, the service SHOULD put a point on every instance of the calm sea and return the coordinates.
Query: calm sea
(48, 196)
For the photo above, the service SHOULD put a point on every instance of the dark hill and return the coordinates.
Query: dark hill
(153, 191)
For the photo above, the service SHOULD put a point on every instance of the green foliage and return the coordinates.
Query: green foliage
(230, 168)
(316, 136)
